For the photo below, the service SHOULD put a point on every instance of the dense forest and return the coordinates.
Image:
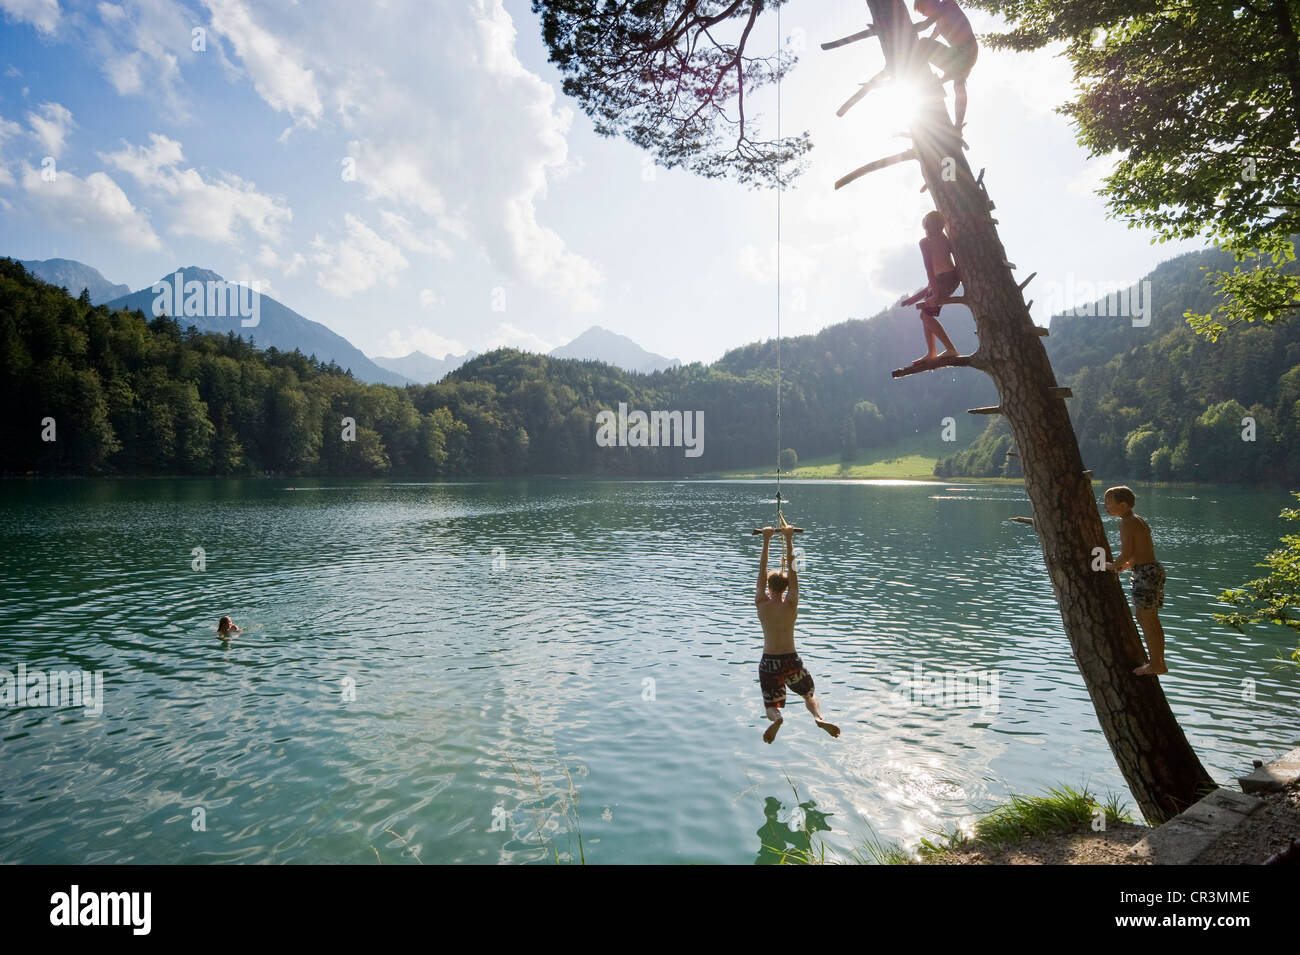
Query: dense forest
(1160, 403)
(130, 395)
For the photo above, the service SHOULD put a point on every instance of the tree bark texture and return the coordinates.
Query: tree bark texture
(1163, 773)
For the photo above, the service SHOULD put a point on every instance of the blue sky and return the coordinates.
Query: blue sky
(414, 180)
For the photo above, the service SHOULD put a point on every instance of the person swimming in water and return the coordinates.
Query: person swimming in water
(226, 626)
(777, 600)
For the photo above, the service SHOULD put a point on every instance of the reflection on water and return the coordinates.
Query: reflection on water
(786, 835)
(484, 672)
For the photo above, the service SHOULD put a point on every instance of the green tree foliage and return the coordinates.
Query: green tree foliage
(849, 447)
(1275, 598)
(1139, 448)
(869, 425)
(1161, 403)
(987, 457)
(672, 76)
(137, 396)
(1201, 102)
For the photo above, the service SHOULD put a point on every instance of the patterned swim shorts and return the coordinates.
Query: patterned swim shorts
(955, 61)
(1149, 586)
(776, 671)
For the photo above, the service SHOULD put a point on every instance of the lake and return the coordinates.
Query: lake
(481, 671)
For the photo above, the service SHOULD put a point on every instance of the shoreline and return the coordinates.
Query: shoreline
(755, 476)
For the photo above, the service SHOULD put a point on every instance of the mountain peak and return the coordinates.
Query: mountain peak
(193, 273)
(75, 276)
(422, 368)
(272, 324)
(600, 344)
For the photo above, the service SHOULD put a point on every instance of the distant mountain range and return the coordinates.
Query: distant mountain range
(600, 344)
(282, 327)
(277, 325)
(424, 369)
(75, 276)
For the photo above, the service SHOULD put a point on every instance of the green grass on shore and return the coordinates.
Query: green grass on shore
(912, 459)
(1061, 809)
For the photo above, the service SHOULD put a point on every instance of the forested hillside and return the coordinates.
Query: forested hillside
(131, 395)
(1160, 403)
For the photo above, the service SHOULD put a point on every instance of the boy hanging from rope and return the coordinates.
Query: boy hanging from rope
(957, 57)
(777, 599)
(941, 269)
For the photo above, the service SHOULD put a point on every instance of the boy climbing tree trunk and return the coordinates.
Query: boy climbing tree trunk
(629, 66)
(1159, 765)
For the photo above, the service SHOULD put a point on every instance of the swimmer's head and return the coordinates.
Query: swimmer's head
(223, 624)
(925, 7)
(777, 582)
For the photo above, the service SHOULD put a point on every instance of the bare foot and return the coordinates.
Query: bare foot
(925, 359)
(829, 727)
(1148, 669)
(770, 733)
(949, 353)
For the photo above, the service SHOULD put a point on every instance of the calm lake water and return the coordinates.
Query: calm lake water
(472, 672)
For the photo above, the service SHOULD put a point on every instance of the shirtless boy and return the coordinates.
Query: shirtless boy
(1137, 552)
(941, 270)
(957, 57)
(777, 599)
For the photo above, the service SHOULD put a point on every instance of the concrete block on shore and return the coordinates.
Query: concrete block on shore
(1183, 839)
(1274, 776)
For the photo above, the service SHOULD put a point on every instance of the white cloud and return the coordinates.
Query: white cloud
(95, 206)
(288, 265)
(506, 335)
(273, 65)
(245, 274)
(124, 73)
(42, 14)
(489, 139)
(141, 46)
(1091, 179)
(50, 127)
(1040, 80)
(404, 234)
(897, 272)
(394, 176)
(8, 130)
(209, 210)
(538, 252)
(430, 299)
(760, 264)
(357, 262)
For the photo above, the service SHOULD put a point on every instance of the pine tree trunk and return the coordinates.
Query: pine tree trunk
(1163, 773)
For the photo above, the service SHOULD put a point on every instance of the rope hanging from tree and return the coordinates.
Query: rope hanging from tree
(780, 517)
(780, 189)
